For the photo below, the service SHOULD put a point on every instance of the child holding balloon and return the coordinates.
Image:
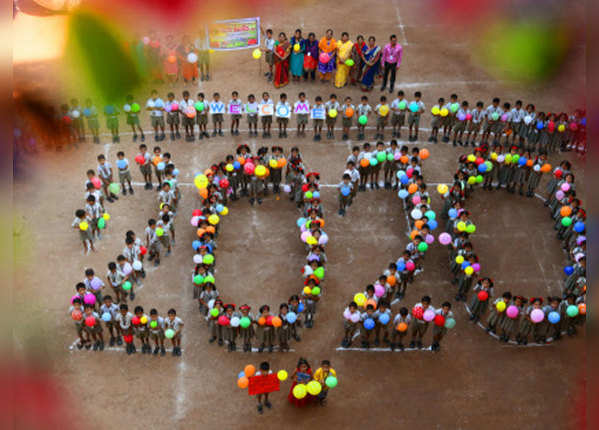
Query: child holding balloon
(347, 118)
(382, 112)
(529, 323)
(82, 223)
(419, 323)
(332, 107)
(93, 327)
(265, 331)
(364, 110)
(173, 328)
(401, 322)
(443, 321)
(497, 313)
(416, 110)
(483, 292)
(351, 318)
(345, 189)
(436, 121)
(382, 317)
(322, 375)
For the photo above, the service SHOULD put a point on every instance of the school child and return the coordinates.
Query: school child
(364, 169)
(535, 173)
(478, 306)
(115, 279)
(475, 123)
(109, 312)
(310, 298)
(264, 370)
(284, 331)
(202, 116)
(251, 110)
(281, 120)
(246, 333)
(496, 316)
(166, 195)
(93, 285)
(332, 108)
(124, 327)
(217, 115)
(354, 175)
(567, 322)
(173, 322)
(398, 117)
(186, 107)
(124, 173)
(156, 332)
(510, 325)
(76, 313)
(414, 117)
(381, 119)
(552, 330)
(155, 106)
(460, 124)
(93, 327)
(302, 118)
(95, 211)
(516, 121)
(321, 374)
(276, 173)
(105, 174)
(269, 46)
(127, 286)
(401, 322)
(141, 329)
(437, 120)
(152, 242)
(384, 308)
(368, 314)
(520, 174)
(265, 331)
(317, 121)
(419, 325)
(376, 169)
(82, 223)
(230, 332)
(145, 166)
(133, 118)
(172, 116)
(132, 254)
(112, 121)
(363, 110)
(491, 116)
(347, 118)
(440, 331)
(93, 124)
(266, 119)
(216, 331)
(345, 189)
(527, 327)
(77, 123)
(350, 323)
(165, 237)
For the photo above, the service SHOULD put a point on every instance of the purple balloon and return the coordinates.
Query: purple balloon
(445, 238)
(476, 267)
(559, 194)
(429, 238)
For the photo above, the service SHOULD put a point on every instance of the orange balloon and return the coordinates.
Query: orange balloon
(210, 229)
(321, 222)
(249, 370)
(371, 302)
(414, 233)
(412, 188)
(529, 163)
(565, 211)
(349, 112)
(402, 326)
(419, 224)
(282, 162)
(424, 154)
(582, 309)
(267, 172)
(277, 322)
(157, 159)
(546, 168)
(201, 231)
(261, 321)
(243, 382)
(391, 280)
(404, 159)
(241, 160)
(171, 58)
(204, 193)
(364, 162)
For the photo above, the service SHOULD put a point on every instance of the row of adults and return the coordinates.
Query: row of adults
(351, 62)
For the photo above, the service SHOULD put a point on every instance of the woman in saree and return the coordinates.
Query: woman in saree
(328, 46)
(189, 71)
(344, 47)
(298, 47)
(310, 57)
(355, 72)
(372, 56)
(281, 56)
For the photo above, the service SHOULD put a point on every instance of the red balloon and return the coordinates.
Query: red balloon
(479, 161)
(140, 159)
(417, 312)
(223, 320)
(135, 320)
(483, 296)
(224, 183)
(66, 119)
(90, 321)
(573, 126)
(558, 173)
(269, 320)
(196, 212)
(143, 250)
(249, 168)
(410, 266)
(128, 338)
(305, 188)
(410, 172)
(439, 320)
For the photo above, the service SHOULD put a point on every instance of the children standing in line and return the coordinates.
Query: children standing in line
(202, 116)
(251, 110)
(414, 116)
(235, 108)
(132, 110)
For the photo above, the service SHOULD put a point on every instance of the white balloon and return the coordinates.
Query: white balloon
(127, 108)
(137, 265)
(197, 259)
(235, 322)
(416, 214)
(127, 269)
(192, 57)
(210, 303)
(75, 113)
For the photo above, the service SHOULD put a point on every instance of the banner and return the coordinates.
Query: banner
(234, 34)
(261, 384)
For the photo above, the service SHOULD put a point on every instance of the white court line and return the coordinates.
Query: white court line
(401, 26)
(340, 348)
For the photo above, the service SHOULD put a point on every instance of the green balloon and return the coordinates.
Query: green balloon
(315, 291)
(374, 161)
(308, 195)
(479, 179)
(489, 166)
(101, 223)
(153, 324)
(331, 381)
(380, 156)
(389, 157)
(214, 312)
(169, 333)
(422, 246)
(566, 221)
(199, 106)
(430, 215)
(126, 285)
(572, 311)
(245, 322)
(208, 259)
(454, 107)
(470, 228)
(494, 116)
(402, 105)
(114, 188)
(209, 278)
(135, 107)
(449, 323)
(363, 119)
(515, 158)
(198, 279)
(349, 62)
(319, 272)
(159, 231)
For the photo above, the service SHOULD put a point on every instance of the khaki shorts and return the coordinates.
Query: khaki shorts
(331, 121)
(217, 117)
(132, 120)
(125, 176)
(252, 119)
(146, 169)
(302, 118)
(347, 122)
(269, 56)
(474, 127)
(157, 121)
(381, 120)
(398, 120)
(283, 120)
(414, 119)
(172, 118)
(202, 119)
(267, 119)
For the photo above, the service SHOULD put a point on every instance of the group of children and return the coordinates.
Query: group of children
(246, 174)
(515, 316)
(457, 121)
(91, 307)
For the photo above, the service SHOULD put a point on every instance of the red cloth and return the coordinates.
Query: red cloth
(300, 402)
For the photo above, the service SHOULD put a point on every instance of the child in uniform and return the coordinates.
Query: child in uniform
(156, 107)
(403, 318)
(420, 326)
(478, 307)
(173, 322)
(475, 123)
(85, 235)
(124, 174)
(157, 332)
(414, 117)
(185, 106)
(460, 124)
(124, 327)
(321, 374)
(133, 119)
(334, 106)
(317, 121)
(364, 109)
(142, 329)
(496, 317)
(282, 121)
(108, 307)
(76, 313)
(93, 124)
(346, 118)
(265, 332)
(235, 117)
(381, 120)
(440, 331)
(349, 325)
(246, 334)
(93, 327)
(112, 121)
(251, 110)
(398, 118)
(105, 173)
(302, 118)
(437, 120)
(266, 119)
(202, 117)
(217, 115)
(172, 116)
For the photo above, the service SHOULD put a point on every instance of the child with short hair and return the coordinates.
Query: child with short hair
(317, 121)
(382, 113)
(265, 331)
(156, 324)
(124, 174)
(460, 123)
(449, 119)
(384, 308)
(172, 116)
(246, 333)
(105, 173)
(109, 312)
(202, 117)
(217, 114)
(401, 322)
(332, 108)
(173, 322)
(124, 327)
(235, 107)
(115, 280)
(188, 113)
(269, 56)
(398, 117)
(347, 117)
(439, 331)
(351, 316)
(496, 316)
(82, 223)
(95, 211)
(264, 370)
(302, 118)
(321, 374)
(76, 313)
(345, 190)
(145, 166)
(155, 106)
(419, 325)
(475, 123)
(133, 118)
(251, 110)
(93, 124)
(414, 117)
(364, 110)
(93, 327)
(112, 121)
(283, 106)
(141, 329)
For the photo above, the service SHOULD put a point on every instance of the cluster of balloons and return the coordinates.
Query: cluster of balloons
(429, 315)
(469, 269)
(313, 387)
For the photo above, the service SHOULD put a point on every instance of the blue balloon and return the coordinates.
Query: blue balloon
(344, 191)
(316, 195)
(87, 112)
(219, 208)
(404, 179)
(300, 307)
(161, 166)
(453, 213)
(121, 164)
(540, 125)
(583, 121)
(465, 264)
(402, 194)
(175, 172)
(400, 173)
(236, 165)
(300, 221)
(522, 161)
(401, 266)
(482, 168)
(553, 317)
(109, 110)
(432, 224)
(384, 318)
(568, 270)
(368, 323)
(196, 245)
(579, 227)
(241, 374)
(291, 317)
(106, 316)
(210, 248)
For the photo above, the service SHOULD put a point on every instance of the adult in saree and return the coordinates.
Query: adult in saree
(355, 72)
(372, 56)
(281, 52)
(298, 48)
(326, 51)
(310, 57)
(344, 47)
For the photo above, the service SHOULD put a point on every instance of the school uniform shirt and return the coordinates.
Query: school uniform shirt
(115, 278)
(175, 324)
(131, 254)
(265, 102)
(124, 321)
(378, 313)
(269, 44)
(157, 104)
(88, 283)
(113, 310)
(395, 106)
(364, 154)
(517, 115)
(166, 197)
(123, 162)
(364, 109)
(343, 184)
(419, 305)
(105, 170)
(147, 158)
(401, 319)
(364, 316)
(462, 111)
(206, 296)
(448, 314)
(183, 105)
(160, 327)
(280, 104)
(142, 328)
(477, 115)
(353, 174)
(236, 102)
(448, 107)
(94, 210)
(150, 235)
(490, 110)
(332, 105)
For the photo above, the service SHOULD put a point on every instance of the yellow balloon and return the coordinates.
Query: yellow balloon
(500, 306)
(461, 227)
(360, 299)
(83, 225)
(296, 47)
(459, 259)
(225, 211)
(144, 319)
(213, 219)
(299, 391)
(106, 216)
(260, 170)
(493, 156)
(200, 181)
(435, 110)
(314, 387)
(471, 158)
(442, 188)
(256, 53)
(229, 167)
(311, 240)
(384, 110)
(273, 163)
(469, 270)
(444, 112)
(307, 290)
(282, 375)
(333, 113)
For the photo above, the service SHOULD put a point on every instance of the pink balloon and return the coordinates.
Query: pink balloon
(537, 315)
(476, 267)
(249, 168)
(559, 194)
(444, 238)
(324, 57)
(504, 117)
(195, 220)
(429, 238)
(379, 290)
(89, 299)
(512, 311)
(396, 156)
(428, 315)
(410, 266)
(96, 182)
(565, 187)
(410, 172)
(578, 256)
(76, 296)
(416, 200)
(174, 106)
(347, 314)
(469, 116)
(305, 235)
(355, 317)
(580, 239)
(303, 228)
(127, 269)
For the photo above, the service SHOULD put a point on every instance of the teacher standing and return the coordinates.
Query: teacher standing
(390, 62)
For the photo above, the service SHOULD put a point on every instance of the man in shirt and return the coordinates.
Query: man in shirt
(390, 61)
